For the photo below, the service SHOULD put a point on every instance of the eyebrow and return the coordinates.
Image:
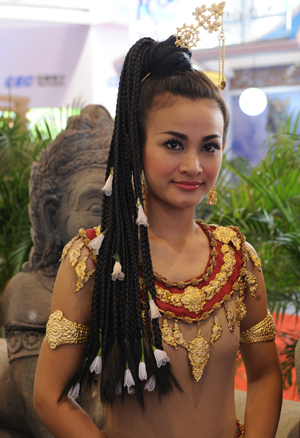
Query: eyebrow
(184, 137)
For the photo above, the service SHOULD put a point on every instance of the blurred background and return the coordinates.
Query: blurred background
(55, 51)
(58, 55)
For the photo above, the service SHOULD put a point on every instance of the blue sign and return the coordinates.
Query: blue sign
(29, 80)
(19, 81)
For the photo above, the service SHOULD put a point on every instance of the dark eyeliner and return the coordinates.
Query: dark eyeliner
(173, 140)
(215, 145)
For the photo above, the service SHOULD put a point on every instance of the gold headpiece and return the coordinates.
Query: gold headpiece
(188, 36)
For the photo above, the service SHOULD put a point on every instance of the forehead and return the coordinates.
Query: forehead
(169, 111)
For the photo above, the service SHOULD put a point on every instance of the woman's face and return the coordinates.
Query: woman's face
(182, 155)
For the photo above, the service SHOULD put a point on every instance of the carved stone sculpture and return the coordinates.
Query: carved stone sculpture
(64, 196)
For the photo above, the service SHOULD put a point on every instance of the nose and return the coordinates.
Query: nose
(191, 164)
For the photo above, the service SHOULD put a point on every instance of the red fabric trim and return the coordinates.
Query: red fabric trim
(181, 311)
(90, 233)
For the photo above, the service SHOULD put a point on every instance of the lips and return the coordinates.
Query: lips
(187, 185)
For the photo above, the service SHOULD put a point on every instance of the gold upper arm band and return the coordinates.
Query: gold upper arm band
(59, 331)
(261, 332)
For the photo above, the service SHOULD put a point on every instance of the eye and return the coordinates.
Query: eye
(211, 147)
(174, 144)
(95, 208)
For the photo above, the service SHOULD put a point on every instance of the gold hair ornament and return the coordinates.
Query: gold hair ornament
(188, 36)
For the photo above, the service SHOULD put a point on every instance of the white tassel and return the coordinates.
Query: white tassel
(118, 389)
(150, 384)
(117, 271)
(153, 312)
(74, 391)
(142, 218)
(130, 390)
(96, 366)
(107, 188)
(142, 371)
(161, 357)
(128, 379)
(96, 243)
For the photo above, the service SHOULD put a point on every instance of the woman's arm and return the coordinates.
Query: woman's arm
(55, 367)
(264, 384)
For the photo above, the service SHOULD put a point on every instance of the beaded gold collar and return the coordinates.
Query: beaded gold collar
(211, 264)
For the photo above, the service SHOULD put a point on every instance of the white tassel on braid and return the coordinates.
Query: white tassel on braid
(96, 243)
(142, 365)
(118, 389)
(128, 380)
(161, 357)
(107, 188)
(74, 391)
(153, 312)
(96, 365)
(142, 371)
(150, 384)
(142, 218)
(117, 272)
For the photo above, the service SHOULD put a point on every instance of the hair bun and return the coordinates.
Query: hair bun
(164, 58)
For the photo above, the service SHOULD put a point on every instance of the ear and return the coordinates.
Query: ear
(223, 145)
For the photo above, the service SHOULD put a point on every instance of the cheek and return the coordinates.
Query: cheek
(156, 168)
(213, 164)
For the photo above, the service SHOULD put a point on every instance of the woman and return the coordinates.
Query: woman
(171, 373)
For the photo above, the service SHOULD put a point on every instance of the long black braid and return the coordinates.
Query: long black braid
(118, 327)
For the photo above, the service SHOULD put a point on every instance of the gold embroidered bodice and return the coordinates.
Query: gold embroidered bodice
(197, 299)
(200, 298)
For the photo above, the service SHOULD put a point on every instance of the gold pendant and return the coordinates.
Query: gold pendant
(240, 310)
(178, 336)
(216, 331)
(230, 318)
(167, 335)
(198, 354)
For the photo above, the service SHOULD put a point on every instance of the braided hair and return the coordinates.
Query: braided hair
(121, 325)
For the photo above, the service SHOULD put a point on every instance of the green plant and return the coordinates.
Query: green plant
(18, 149)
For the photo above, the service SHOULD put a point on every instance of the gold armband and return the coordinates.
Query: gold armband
(261, 332)
(59, 331)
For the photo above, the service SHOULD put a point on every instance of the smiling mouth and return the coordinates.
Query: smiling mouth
(187, 185)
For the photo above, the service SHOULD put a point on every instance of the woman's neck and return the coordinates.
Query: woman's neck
(168, 222)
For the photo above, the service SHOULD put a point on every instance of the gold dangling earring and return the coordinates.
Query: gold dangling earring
(212, 196)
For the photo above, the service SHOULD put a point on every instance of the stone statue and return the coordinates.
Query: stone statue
(64, 196)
